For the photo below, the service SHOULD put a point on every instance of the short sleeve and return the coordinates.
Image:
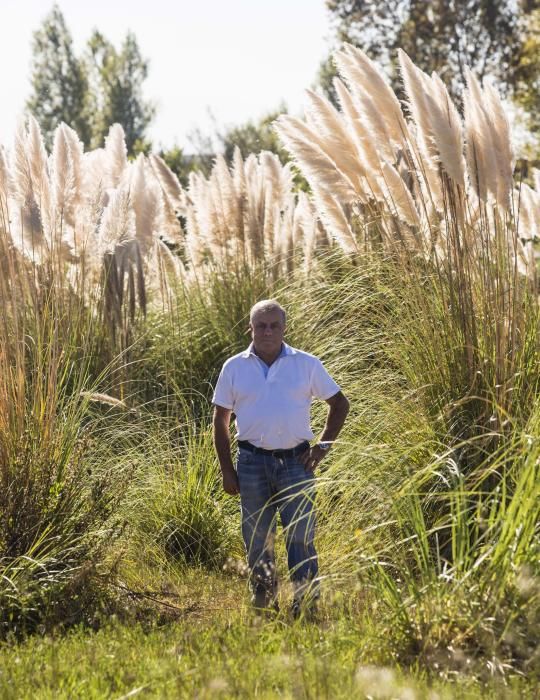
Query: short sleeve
(322, 384)
(223, 394)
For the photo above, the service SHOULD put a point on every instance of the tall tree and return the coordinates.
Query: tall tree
(92, 92)
(59, 81)
(116, 79)
(443, 35)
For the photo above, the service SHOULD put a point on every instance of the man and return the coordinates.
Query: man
(269, 387)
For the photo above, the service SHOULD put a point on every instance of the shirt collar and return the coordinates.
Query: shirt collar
(285, 350)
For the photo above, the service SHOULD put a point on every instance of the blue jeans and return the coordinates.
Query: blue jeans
(270, 485)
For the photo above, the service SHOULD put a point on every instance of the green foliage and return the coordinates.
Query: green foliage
(91, 92)
(254, 137)
(116, 78)
(528, 81)
(438, 36)
(59, 80)
(58, 504)
(180, 513)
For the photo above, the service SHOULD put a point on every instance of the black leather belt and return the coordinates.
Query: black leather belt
(292, 452)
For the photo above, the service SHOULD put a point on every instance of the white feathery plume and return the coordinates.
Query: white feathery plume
(526, 204)
(305, 228)
(331, 126)
(271, 167)
(334, 219)
(480, 151)
(117, 223)
(63, 177)
(208, 222)
(5, 228)
(361, 136)
(94, 179)
(398, 198)
(37, 156)
(116, 155)
(162, 177)
(171, 230)
(163, 267)
(416, 84)
(426, 176)
(222, 236)
(278, 178)
(285, 235)
(422, 138)
(504, 154)
(197, 182)
(146, 202)
(227, 195)
(39, 174)
(76, 152)
(239, 175)
(360, 71)
(447, 130)
(251, 167)
(4, 175)
(287, 183)
(367, 106)
(536, 178)
(195, 245)
(271, 215)
(316, 165)
(239, 180)
(255, 200)
(27, 209)
(85, 218)
(298, 234)
(168, 181)
(527, 207)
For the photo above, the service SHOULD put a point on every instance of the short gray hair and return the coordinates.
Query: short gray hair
(267, 305)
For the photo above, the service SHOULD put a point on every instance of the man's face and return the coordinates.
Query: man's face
(267, 330)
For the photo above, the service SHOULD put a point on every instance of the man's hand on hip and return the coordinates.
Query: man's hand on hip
(311, 458)
(230, 482)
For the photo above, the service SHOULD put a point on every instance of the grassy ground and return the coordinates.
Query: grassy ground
(211, 645)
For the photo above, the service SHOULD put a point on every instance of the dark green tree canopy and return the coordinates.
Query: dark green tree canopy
(443, 35)
(254, 137)
(92, 92)
(116, 79)
(59, 81)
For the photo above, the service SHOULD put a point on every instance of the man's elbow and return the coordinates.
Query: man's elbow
(339, 403)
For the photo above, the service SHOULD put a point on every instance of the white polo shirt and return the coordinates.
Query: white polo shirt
(273, 412)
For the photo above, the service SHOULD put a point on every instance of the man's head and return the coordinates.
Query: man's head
(267, 325)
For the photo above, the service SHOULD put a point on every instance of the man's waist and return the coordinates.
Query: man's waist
(290, 452)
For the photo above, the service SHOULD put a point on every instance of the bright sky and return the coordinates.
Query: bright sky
(238, 58)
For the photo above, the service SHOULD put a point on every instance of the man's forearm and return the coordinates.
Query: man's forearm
(222, 443)
(335, 419)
